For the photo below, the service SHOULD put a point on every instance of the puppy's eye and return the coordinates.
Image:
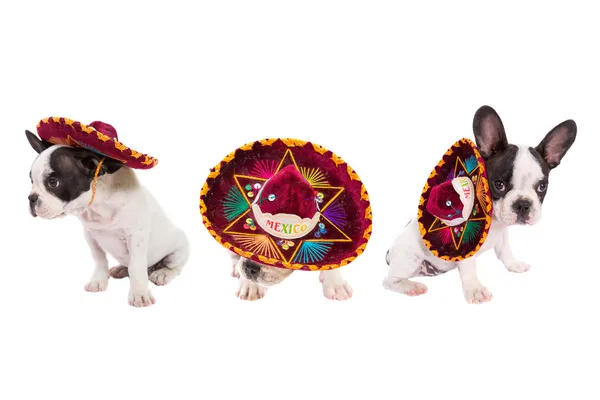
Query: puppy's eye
(499, 185)
(53, 183)
(542, 187)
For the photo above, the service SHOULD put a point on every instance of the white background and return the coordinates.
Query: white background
(388, 87)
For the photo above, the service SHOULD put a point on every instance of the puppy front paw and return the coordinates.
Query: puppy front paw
(335, 287)
(477, 294)
(518, 267)
(96, 285)
(251, 291)
(141, 298)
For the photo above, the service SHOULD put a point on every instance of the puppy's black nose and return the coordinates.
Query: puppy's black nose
(33, 198)
(522, 208)
(251, 269)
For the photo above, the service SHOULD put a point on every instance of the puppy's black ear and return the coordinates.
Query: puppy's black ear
(557, 142)
(489, 132)
(111, 166)
(88, 163)
(37, 144)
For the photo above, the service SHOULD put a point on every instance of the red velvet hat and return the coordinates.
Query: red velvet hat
(287, 203)
(455, 209)
(97, 136)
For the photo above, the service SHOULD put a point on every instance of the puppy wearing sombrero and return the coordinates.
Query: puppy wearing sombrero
(86, 172)
(282, 205)
(469, 202)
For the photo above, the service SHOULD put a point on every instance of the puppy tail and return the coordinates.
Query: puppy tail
(119, 272)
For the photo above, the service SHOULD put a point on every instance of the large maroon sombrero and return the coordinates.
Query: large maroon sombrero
(287, 203)
(455, 209)
(97, 136)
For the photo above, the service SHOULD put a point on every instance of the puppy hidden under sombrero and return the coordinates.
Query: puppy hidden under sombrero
(287, 203)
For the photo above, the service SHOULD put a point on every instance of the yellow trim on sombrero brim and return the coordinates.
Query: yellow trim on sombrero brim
(488, 208)
(103, 138)
(272, 261)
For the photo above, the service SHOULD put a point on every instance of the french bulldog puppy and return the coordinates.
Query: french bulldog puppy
(518, 176)
(124, 220)
(255, 279)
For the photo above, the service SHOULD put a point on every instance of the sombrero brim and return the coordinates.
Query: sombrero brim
(345, 221)
(455, 243)
(65, 131)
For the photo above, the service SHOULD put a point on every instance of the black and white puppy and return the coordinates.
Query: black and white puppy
(518, 177)
(255, 278)
(124, 220)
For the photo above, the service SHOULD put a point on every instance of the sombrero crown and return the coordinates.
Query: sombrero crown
(287, 203)
(99, 137)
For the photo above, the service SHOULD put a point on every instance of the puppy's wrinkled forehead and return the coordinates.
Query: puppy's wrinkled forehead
(55, 160)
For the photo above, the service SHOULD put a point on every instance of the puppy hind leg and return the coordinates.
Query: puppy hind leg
(171, 265)
(402, 268)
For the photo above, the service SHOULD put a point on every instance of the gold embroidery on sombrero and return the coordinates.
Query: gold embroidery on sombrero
(87, 129)
(319, 149)
(135, 154)
(314, 176)
(215, 172)
(56, 119)
(260, 244)
(102, 137)
(120, 146)
(69, 122)
(147, 160)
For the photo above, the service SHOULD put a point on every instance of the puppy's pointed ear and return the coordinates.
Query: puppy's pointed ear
(489, 132)
(37, 144)
(111, 166)
(88, 163)
(557, 142)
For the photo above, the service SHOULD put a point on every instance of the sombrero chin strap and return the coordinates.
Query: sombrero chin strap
(95, 181)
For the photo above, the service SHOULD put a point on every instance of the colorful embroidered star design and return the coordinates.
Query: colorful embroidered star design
(469, 230)
(310, 248)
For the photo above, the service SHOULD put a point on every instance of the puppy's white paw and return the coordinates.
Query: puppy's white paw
(477, 294)
(96, 285)
(163, 276)
(518, 267)
(141, 298)
(404, 286)
(249, 290)
(335, 287)
(234, 271)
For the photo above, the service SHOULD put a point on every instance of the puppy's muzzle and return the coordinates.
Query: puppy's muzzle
(251, 270)
(522, 208)
(33, 199)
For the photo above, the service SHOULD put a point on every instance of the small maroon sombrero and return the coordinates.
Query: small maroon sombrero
(455, 209)
(287, 203)
(97, 136)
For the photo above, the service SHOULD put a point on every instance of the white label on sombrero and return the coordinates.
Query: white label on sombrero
(464, 187)
(285, 226)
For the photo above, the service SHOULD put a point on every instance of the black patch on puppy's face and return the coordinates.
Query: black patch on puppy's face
(72, 172)
(68, 180)
(500, 169)
(545, 170)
